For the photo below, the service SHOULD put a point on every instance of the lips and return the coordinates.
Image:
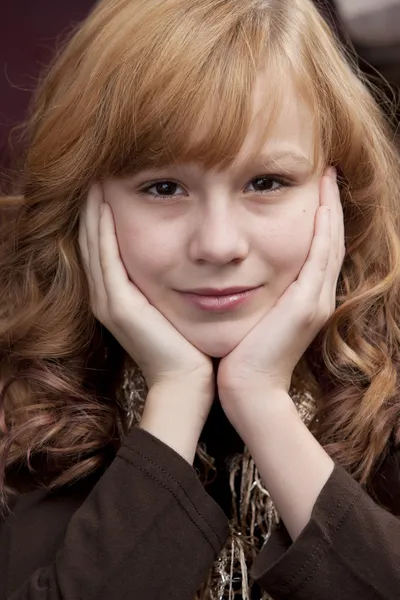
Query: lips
(220, 291)
(220, 303)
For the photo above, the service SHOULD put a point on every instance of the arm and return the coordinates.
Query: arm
(337, 542)
(349, 549)
(292, 464)
(147, 530)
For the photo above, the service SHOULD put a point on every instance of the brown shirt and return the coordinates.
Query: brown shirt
(148, 530)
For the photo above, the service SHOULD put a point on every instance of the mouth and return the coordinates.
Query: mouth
(220, 291)
(218, 303)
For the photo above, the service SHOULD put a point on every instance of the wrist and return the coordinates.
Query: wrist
(176, 416)
(254, 415)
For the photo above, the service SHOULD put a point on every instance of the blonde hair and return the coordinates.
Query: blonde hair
(127, 91)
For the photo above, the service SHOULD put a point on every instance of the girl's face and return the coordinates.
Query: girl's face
(251, 225)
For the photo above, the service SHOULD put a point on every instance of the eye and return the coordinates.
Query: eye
(266, 184)
(166, 189)
(163, 190)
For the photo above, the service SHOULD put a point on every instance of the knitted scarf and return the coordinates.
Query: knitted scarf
(253, 513)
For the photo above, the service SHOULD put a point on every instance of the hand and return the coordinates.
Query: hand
(162, 353)
(265, 359)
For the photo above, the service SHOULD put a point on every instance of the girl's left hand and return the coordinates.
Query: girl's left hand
(265, 359)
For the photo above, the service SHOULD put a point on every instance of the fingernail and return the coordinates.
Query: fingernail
(333, 173)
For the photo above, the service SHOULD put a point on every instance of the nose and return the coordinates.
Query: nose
(218, 236)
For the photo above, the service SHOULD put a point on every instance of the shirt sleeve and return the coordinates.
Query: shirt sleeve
(349, 549)
(147, 530)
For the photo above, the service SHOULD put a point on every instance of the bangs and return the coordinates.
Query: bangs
(196, 106)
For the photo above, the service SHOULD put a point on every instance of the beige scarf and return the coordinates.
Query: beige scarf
(253, 513)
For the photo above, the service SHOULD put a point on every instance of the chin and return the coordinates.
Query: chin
(217, 348)
(216, 339)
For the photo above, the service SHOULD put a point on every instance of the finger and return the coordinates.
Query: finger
(313, 274)
(331, 198)
(114, 272)
(82, 239)
(335, 202)
(341, 243)
(335, 194)
(92, 216)
(90, 241)
(83, 244)
(328, 198)
(342, 233)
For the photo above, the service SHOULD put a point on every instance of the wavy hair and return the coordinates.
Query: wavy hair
(126, 91)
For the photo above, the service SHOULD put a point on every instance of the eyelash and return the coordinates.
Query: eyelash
(283, 183)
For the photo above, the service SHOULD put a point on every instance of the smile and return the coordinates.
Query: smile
(219, 304)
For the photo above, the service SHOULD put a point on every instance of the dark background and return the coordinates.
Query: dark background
(30, 30)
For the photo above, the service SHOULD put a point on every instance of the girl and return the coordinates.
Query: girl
(199, 306)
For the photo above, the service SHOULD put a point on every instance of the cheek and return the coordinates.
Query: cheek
(140, 251)
(145, 249)
(147, 255)
(288, 242)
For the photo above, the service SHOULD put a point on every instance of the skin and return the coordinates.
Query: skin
(253, 380)
(222, 229)
(291, 242)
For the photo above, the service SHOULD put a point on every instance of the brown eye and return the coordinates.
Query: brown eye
(162, 190)
(165, 188)
(265, 184)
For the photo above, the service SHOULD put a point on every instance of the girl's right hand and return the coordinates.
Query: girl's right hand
(165, 357)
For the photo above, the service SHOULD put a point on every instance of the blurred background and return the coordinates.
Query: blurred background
(31, 29)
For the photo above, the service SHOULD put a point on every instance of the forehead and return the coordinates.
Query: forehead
(216, 128)
(281, 122)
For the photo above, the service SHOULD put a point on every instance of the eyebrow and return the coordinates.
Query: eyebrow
(291, 155)
(265, 159)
